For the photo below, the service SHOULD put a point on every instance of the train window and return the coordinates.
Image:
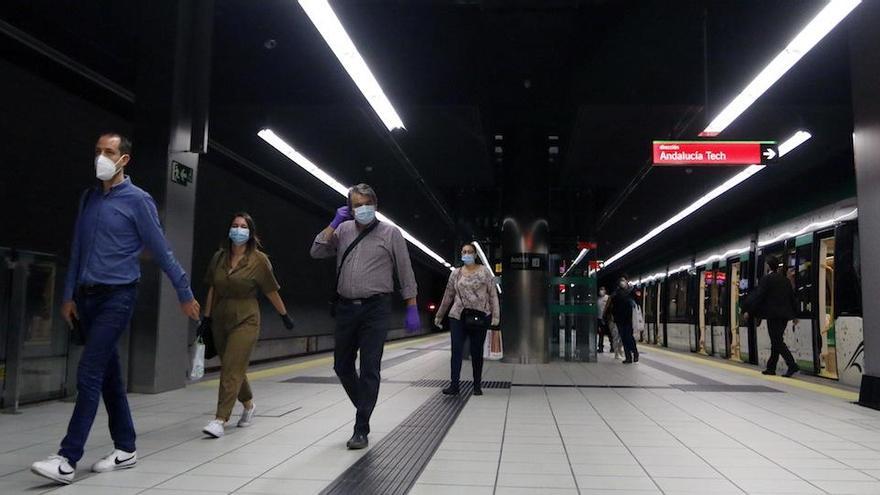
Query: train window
(678, 297)
(803, 280)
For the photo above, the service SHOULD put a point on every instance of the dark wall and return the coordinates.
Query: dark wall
(46, 159)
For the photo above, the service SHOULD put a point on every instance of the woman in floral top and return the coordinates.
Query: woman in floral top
(470, 290)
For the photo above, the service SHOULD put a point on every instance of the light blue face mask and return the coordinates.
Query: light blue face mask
(468, 259)
(365, 214)
(239, 235)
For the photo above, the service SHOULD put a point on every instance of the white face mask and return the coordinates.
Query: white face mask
(105, 168)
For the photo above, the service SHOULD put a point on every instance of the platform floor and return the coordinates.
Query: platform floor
(673, 424)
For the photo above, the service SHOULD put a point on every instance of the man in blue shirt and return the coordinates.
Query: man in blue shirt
(116, 221)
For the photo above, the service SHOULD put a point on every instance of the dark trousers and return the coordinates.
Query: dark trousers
(776, 329)
(103, 318)
(626, 338)
(603, 331)
(361, 327)
(477, 339)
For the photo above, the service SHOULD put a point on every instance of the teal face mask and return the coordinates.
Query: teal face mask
(365, 214)
(239, 235)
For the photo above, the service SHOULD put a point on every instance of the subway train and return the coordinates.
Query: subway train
(694, 304)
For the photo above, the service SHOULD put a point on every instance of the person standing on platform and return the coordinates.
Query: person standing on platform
(368, 253)
(238, 272)
(603, 326)
(774, 300)
(471, 294)
(620, 307)
(116, 221)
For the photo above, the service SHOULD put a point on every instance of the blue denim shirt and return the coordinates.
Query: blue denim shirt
(111, 231)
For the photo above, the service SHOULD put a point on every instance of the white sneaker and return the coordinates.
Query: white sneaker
(247, 416)
(118, 459)
(214, 428)
(56, 468)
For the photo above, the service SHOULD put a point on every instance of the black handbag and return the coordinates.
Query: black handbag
(473, 319)
(205, 333)
(334, 297)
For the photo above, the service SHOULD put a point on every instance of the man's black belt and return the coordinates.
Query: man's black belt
(363, 300)
(100, 289)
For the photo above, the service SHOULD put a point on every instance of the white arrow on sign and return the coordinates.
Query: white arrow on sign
(769, 154)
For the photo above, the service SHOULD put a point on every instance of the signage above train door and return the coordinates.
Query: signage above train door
(714, 153)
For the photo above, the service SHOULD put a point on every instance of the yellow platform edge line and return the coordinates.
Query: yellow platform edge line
(813, 387)
(309, 363)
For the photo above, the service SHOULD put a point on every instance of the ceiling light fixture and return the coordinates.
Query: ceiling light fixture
(298, 158)
(810, 35)
(323, 17)
(796, 140)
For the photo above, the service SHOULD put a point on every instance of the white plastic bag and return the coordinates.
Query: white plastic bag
(493, 350)
(198, 361)
(638, 321)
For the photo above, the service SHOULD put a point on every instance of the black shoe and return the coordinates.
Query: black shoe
(450, 390)
(627, 361)
(478, 391)
(357, 441)
(600, 350)
(791, 371)
(768, 372)
(636, 357)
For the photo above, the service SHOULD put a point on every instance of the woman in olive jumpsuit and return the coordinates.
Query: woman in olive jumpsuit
(238, 272)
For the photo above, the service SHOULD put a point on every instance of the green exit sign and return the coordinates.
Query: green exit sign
(181, 174)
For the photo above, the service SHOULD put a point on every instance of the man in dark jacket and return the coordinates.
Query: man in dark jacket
(775, 301)
(620, 308)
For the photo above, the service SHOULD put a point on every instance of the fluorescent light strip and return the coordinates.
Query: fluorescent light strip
(323, 17)
(811, 227)
(796, 140)
(577, 260)
(298, 158)
(486, 263)
(810, 35)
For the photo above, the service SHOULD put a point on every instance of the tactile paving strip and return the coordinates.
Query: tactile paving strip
(428, 383)
(392, 466)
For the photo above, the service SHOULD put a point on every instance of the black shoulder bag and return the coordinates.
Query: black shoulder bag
(334, 298)
(474, 319)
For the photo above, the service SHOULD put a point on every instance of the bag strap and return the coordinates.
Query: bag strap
(348, 250)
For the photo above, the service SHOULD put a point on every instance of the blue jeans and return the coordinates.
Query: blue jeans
(477, 340)
(103, 318)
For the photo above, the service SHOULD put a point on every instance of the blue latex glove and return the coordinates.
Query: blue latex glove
(412, 323)
(342, 214)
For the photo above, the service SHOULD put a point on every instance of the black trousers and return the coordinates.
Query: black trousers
(361, 328)
(776, 329)
(603, 331)
(477, 339)
(626, 338)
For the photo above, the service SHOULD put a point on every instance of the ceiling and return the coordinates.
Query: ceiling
(606, 77)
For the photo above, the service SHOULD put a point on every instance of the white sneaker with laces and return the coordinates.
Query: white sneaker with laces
(118, 459)
(214, 428)
(56, 468)
(247, 416)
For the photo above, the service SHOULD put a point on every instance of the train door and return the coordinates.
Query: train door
(698, 342)
(826, 343)
(659, 337)
(737, 333)
(719, 297)
(762, 338)
(678, 323)
(802, 338)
